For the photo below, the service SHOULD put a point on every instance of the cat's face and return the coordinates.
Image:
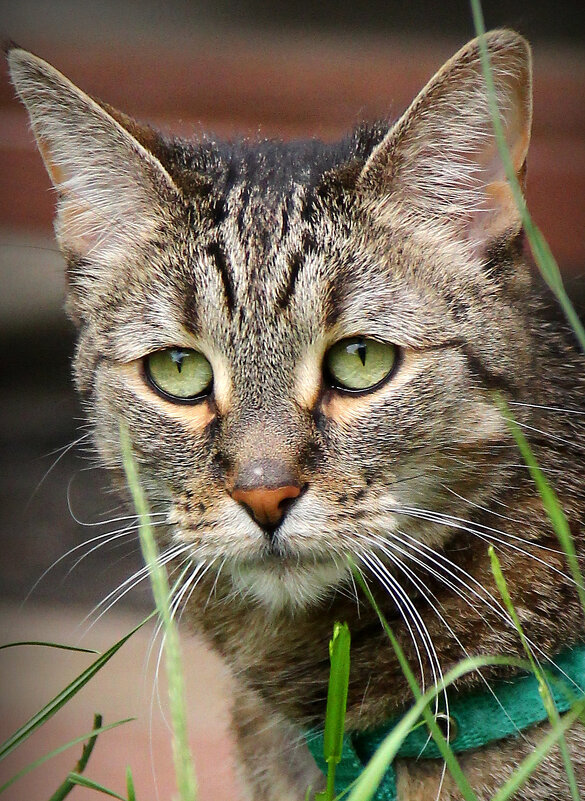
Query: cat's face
(301, 340)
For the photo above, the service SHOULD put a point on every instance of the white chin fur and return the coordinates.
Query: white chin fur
(294, 587)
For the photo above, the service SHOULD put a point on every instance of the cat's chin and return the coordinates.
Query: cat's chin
(288, 585)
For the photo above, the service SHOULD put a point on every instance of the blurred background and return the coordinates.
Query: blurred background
(233, 67)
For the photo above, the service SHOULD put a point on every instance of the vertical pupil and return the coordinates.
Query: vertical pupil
(359, 348)
(177, 357)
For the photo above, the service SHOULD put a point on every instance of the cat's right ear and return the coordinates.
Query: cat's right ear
(438, 171)
(113, 192)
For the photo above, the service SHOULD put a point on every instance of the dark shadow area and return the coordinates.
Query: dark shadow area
(537, 20)
(53, 494)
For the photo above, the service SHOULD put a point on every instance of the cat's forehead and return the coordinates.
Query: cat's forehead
(249, 258)
(289, 260)
(277, 273)
(249, 272)
(280, 254)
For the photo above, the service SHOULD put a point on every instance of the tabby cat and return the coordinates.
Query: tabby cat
(305, 340)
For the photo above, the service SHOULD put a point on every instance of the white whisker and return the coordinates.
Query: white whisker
(130, 583)
(64, 451)
(547, 408)
(547, 435)
(484, 595)
(107, 540)
(430, 597)
(397, 592)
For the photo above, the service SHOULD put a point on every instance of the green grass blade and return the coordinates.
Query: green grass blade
(44, 644)
(502, 586)
(186, 781)
(551, 503)
(64, 790)
(130, 791)
(542, 254)
(438, 737)
(336, 704)
(47, 712)
(45, 758)
(83, 781)
(543, 688)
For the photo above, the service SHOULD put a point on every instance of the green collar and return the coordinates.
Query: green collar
(478, 718)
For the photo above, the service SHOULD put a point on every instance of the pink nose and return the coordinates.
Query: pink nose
(266, 505)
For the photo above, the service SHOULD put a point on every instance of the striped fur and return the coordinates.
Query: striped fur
(262, 255)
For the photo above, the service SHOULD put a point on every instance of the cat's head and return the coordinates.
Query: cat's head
(302, 338)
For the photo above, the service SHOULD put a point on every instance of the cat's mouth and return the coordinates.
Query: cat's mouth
(277, 550)
(287, 566)
(279, 575)
(280, 554)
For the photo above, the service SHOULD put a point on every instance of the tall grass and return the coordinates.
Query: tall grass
(185, 772)
(58, 702)
(336, 705)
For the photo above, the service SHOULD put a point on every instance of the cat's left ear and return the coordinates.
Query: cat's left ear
(438, 170)
(113, 193)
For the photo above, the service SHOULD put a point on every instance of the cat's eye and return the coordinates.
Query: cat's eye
(358, 364)
(179, 374)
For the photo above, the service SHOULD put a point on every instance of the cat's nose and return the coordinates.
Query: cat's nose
(266, 488)
(267, 505)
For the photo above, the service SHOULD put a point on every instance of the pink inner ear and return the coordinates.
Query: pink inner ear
(73, 215)
(517, 133)
(498, 213)
(74, 228)
(495, 217)
(440, 166)
(56, 173)
(112, 190)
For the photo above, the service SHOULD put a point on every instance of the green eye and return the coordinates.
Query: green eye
(183, 375)
(357, 363)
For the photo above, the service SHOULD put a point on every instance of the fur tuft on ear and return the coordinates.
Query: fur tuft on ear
(112, 190)
(439, 165)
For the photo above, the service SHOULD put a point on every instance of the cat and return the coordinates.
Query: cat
(304, 341)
